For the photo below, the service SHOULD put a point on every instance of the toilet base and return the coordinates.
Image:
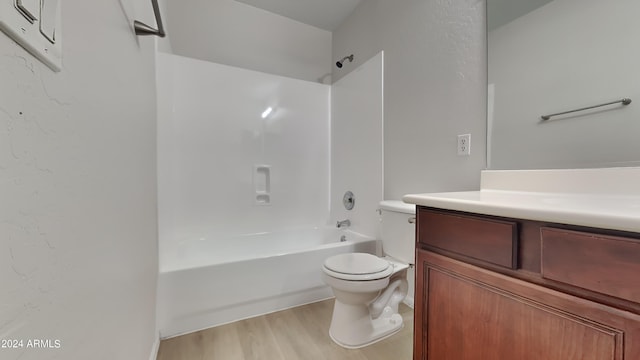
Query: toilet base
(353, 328)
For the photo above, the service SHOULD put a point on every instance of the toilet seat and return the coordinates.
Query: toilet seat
(357, 267)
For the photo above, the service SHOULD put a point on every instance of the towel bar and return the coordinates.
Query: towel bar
(624, 101)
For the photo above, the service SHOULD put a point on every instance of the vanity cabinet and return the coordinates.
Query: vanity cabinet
(491, 288)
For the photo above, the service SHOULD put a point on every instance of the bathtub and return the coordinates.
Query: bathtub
(209, 281)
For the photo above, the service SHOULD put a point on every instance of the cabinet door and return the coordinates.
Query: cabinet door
(467, 313)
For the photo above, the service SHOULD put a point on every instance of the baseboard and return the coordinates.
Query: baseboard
(154, 348)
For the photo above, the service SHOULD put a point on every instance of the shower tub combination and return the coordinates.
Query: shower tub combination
(207, 282)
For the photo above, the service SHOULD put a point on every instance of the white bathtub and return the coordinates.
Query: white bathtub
(209, 281)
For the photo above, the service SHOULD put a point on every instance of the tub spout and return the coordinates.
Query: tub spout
(343, 223)
(391, 298)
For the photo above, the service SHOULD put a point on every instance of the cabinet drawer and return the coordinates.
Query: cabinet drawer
(490, 240)
(606, 264)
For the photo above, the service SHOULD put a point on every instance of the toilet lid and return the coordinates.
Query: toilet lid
(356, 264)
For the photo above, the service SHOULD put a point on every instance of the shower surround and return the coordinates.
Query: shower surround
(240, 152)
(244, 187)
(220, 148)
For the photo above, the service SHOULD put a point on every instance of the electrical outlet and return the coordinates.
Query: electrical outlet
(464, 145)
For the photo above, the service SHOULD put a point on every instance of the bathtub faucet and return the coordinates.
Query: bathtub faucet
(343, 223)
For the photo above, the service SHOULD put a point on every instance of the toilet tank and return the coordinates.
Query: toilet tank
(397, 230)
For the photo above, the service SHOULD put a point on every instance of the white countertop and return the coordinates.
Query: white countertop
(612, 203)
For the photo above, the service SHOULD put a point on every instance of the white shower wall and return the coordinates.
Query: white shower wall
(212, 137)
(357, 145)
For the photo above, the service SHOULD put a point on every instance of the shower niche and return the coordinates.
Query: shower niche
(262, 184)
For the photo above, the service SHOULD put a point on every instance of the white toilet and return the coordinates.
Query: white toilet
(368, 289)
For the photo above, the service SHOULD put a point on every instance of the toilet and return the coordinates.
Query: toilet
(368, 288)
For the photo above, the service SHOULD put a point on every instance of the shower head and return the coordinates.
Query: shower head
(339, 63)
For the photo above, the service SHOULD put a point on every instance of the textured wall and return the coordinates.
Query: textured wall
(434, 86)
(78, 252)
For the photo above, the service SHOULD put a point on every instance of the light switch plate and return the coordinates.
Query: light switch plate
(26, 33)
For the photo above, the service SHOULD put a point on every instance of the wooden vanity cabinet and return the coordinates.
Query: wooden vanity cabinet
(468, 306)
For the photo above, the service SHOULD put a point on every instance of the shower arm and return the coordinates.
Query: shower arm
(144, 29)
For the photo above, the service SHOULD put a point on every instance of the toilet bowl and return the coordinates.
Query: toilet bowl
(368, 289)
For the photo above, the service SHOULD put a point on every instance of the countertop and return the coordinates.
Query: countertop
(603, 206)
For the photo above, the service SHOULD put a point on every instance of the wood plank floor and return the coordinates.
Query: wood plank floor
(298, 333)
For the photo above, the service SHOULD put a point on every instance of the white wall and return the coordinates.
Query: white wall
(211, 134)
(232, 33)
(434, 86)
(78, 249)
(356, 145)
(565, 55)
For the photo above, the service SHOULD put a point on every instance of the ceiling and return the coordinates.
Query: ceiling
(324, 14)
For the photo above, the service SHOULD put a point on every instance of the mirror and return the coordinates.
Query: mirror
(551, 56)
